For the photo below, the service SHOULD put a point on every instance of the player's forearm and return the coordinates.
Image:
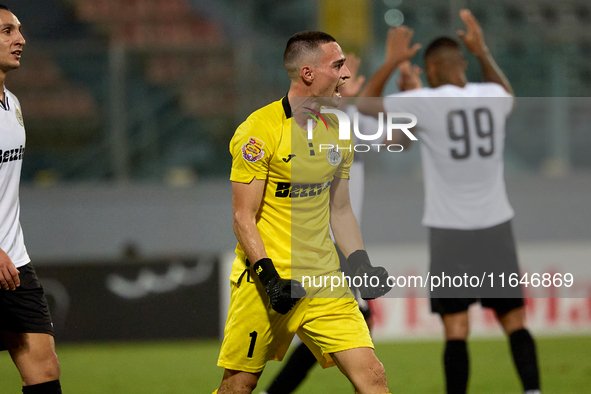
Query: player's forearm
(346, 231)
(371, 103)
(376, 84)
(491, 72)
(249, 238)
(5, 259)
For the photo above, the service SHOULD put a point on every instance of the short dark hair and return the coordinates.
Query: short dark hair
(303, 43)
(3, 7)
(439, 44)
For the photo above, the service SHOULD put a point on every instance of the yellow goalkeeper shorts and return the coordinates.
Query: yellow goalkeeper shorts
(255, 333)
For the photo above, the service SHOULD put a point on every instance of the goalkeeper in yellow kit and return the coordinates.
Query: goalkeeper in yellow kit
(286, 191)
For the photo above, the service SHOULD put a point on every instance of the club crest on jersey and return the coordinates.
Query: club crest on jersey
(334, 155)
(19, 117)
(253, 150)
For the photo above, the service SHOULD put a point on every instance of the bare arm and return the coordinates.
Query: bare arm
(9, 279)
(246, 201)
(342, 219)
(398, 50)
(474, 41)
(409, 79)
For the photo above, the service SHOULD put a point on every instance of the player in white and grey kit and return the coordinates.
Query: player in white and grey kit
(26, 330)
(461, 127)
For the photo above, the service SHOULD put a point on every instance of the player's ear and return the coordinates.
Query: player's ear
(430, 70)
(307, 74)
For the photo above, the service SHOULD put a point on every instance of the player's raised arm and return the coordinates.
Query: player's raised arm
(398, 50)
(474, 40)
(410, 77)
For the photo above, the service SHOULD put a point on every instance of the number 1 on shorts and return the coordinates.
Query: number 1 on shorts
(253, 339)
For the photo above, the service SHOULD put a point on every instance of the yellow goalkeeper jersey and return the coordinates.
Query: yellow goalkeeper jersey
(293, 219)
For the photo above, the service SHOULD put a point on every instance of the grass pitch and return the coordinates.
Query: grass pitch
(412, 367)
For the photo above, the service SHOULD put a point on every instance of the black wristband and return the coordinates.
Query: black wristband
(265, 270)
(357, 259)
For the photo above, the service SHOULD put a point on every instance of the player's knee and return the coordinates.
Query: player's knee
(374, 375)
(457, 326)
(53, 368)
(44, 367)
(237, 387)
(238, 382)
(513, 320)
(459, 332)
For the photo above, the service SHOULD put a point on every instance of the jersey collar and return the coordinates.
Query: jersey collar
(2, 105)
(286, 107)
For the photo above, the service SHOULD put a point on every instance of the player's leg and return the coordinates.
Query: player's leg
(455, 356)
(453, 253)
(456, 363)
(238, 382)
(456, 326)
(35, 357)
(254, 334)
(363, 369)
(523, 348)
(293, 372)
(509, 306)
(302, 360)
(26, 331)
(336, 332)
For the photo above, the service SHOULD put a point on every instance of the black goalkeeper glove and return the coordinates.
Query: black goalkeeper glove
(360, 265)
(279, 290)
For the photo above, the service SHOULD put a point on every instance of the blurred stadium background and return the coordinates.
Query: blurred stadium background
(129, 106)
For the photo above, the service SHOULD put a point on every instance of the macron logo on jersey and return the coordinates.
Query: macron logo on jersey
(11, 154)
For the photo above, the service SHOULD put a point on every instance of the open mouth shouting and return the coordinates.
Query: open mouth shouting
(336, 91)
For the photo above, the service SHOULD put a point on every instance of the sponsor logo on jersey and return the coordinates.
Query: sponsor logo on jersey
(19, 117)
(286, 189)
(334, 155)
(11, 154)
(253, 150)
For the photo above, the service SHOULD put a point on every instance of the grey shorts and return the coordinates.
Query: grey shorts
(474, 253)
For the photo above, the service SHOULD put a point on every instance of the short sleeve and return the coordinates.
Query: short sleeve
(346, 161)
(345, 165)
(507, 99)
(251, 148)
